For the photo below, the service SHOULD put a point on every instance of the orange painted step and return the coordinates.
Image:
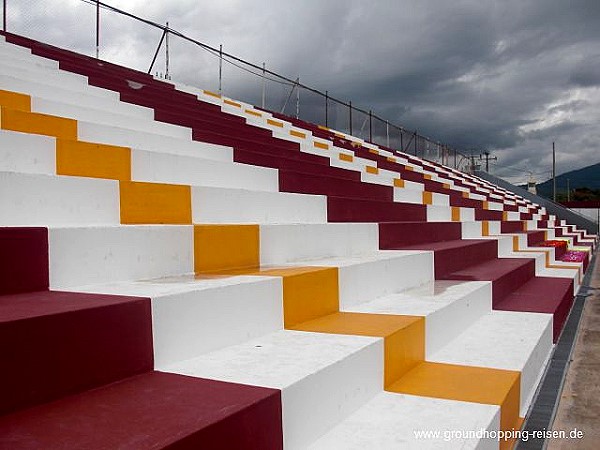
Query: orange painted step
(404, 337)
(469, 384)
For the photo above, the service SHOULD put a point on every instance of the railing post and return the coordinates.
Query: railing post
(97, 29)
(401, 140)
(167, 52)
(221, 69)
(327, 108)
(3, 15)
(370, 126)
(350, 116)
(387, 133)
(264, 87)
(298, 98)
(416, 142)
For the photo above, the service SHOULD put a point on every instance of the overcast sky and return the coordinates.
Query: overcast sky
(507, 76)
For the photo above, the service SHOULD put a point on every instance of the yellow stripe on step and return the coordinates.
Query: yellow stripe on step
(15, 100)
(469, 384)
(35, 123)
(86, 159)
(308, 292)
(404, 337)
(219, 248)
(152, 203)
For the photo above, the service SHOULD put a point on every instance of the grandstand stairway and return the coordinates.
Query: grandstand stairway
(184, 270)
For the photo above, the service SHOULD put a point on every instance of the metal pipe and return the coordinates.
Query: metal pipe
(3, 15)
(167, 52)
(162, 38)
(370, 126)
(553, 172)
(220, 69)
(327, 108)
(264, 87)
(97, 29)
(350, 115)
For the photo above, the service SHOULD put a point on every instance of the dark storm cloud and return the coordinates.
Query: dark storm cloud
(506, 76)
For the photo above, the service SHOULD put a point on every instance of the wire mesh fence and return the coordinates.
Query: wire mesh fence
(96, 28)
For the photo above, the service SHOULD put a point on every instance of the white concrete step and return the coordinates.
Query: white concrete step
(192, 170)
(293, 243)
(15, 58)
(108, 117)
(323, 377)
(39, 74)
(448, 307)
(87, 95)
(506, 340)
(196, 315)
(380, 273)
(219, 205)
(46, 200)
(27, 153)
(397, 421)
(121, 136)
(81, 256)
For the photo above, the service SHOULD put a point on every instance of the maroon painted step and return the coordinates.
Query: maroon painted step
(23, 260)
(543, 295)
(152, 411)
(451, 253)
(506, 275)
(59, 343)
(340, 209)
(397, 235)
(305, 183)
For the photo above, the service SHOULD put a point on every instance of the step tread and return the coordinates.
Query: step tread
(152, 410)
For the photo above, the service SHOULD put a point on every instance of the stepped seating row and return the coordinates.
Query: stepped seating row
(295, 332)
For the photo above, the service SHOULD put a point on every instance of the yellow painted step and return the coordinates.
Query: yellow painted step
(86, 159)
(222, 248)
(308, 292)
(153, 203)
(36, 123)
(469, 384)
(404, 337)
(15, 100)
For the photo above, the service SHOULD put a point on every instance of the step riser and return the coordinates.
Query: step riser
(60, 354)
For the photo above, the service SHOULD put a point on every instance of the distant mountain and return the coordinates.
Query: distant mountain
(587, 177)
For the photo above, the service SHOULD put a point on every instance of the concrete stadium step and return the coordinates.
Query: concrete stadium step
(371, 275)
(82, 256)
(169, 410)
(23, 121)
(167, 168)
(33, 199)
(44, 200)
(62, 343)
(192, 315)
(451, 253)
(449, 307)
(29, 153)
(542, 295)
(322, 377)
(340, 209)
(218, 205)
(514, 341)
(506, 274)
(305, 183)
(391, 420)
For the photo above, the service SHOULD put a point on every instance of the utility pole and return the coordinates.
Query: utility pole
(487, 160)
(553, 172)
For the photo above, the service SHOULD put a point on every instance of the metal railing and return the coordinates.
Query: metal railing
(189, 61)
